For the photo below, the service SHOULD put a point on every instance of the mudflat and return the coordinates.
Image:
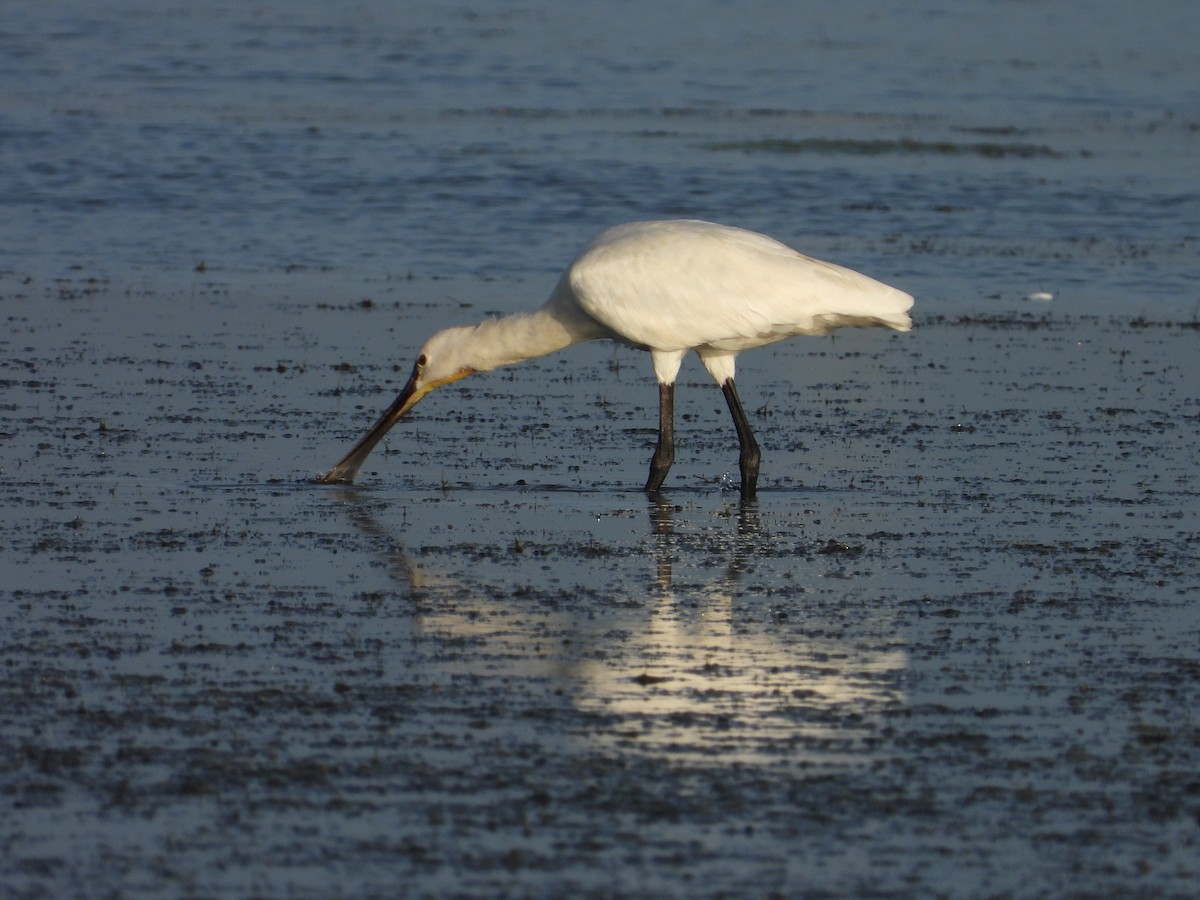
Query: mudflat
(951, 648)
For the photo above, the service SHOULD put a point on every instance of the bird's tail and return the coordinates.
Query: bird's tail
(889, 311)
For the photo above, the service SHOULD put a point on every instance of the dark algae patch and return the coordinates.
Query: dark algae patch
(880, 147)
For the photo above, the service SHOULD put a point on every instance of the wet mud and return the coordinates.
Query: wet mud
(950, 650)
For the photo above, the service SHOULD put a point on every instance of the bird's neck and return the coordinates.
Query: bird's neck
(528, 335)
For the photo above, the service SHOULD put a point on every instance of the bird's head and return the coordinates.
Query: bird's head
(440, 362)
(445, 357)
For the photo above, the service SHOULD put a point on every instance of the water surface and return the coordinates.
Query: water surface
(950, 650)
(965, 150)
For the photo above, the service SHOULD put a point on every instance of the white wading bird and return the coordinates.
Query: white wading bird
(666, 287)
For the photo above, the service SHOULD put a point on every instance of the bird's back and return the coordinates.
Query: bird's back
(678, 284)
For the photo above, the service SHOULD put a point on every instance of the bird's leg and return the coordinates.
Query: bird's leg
(664, 453)
(749, 457)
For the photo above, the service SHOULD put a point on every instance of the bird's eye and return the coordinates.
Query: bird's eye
(422, 361)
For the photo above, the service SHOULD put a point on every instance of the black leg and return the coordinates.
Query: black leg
(664, 453)
(749, 457)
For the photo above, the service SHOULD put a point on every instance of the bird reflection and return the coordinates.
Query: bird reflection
(355, 504)
(694, 666)
(662, 530)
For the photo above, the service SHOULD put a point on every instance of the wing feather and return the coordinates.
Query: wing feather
(681, 284)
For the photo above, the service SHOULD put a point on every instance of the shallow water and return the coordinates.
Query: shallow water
(964, 150)
(949, 651)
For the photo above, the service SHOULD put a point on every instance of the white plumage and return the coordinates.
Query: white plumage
(667, 287)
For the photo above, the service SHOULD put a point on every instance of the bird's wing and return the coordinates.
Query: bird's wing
(688, 284)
